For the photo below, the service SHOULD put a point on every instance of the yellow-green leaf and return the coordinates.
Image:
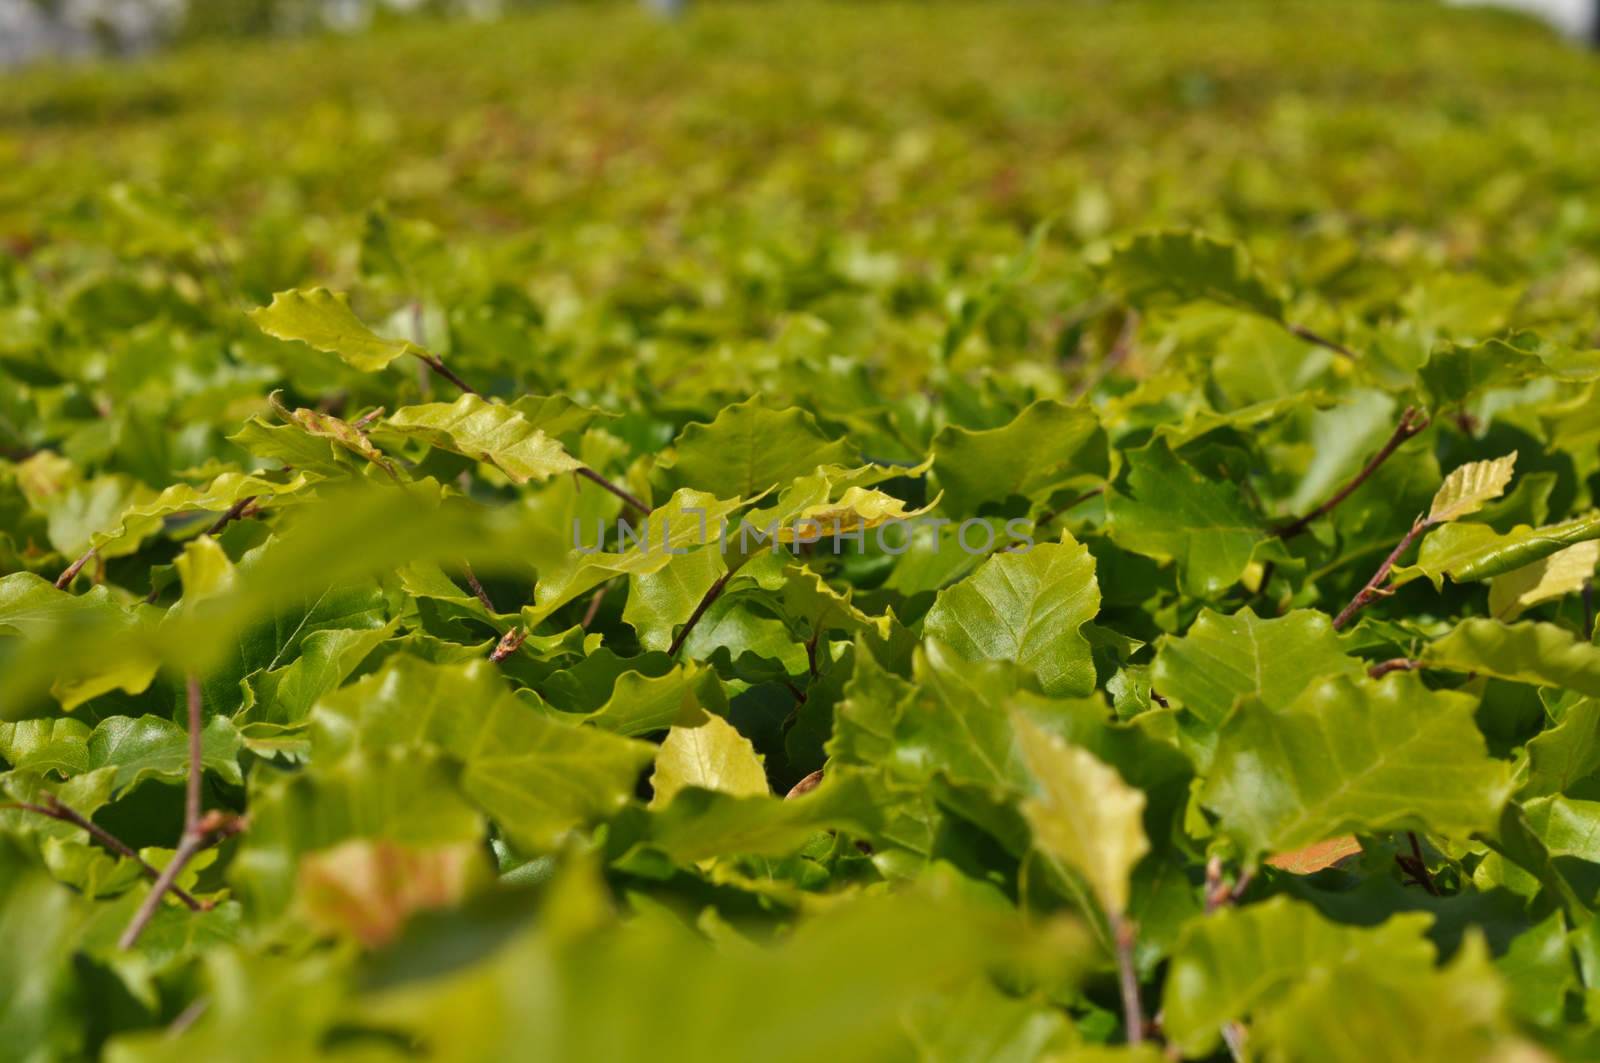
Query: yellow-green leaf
(1470, 487)
(1083, 813)
(323, 319)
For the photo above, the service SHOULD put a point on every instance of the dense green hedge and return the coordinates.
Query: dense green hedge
(1239, 692)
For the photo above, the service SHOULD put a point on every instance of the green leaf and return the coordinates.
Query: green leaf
(39, 927)
(701, 824)
(1467, 552)
(1170, 512)
(1083, 814)
(323, 319)
(1351, 1015)
(152, 748)
(1538, 971)
(141, 521)
(689, 519)
(34, 613)
(487, 432)
(59, 745)
(1027, 607)
(711, 755)
(749, 448)
(1043, 448)
(1221, 660)
(1565, 754)
(327, 657)
(1526, 652)
(537, 776)
(641, 704)
(1353, 755)
(1241, 962)
(1153, 268)
(1567, 826)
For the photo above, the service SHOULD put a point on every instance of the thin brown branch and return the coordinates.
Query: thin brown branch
(1126, 933)
(212, 828)
(1396, 664)
(199, 831)
(191, 793)
(1412, 421)
(594, 606)
(233, 513)
(188, 1017)
(711, 595)
(1374, 588)
(631, 500)
(66, 578)
(367, 418)
(58, 811)
(509, 643)
(1320, 340)
(432, 361)
(1218, 893)
(1051, 515)
(477, 588)
(1416, 867)
(811, 654)
(1234, 1036)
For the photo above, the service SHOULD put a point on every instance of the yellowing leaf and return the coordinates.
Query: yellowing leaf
(323, 319)
(1313, 858)
(205, 570)
(1470, 487)
(368, 888)
(1083, 813)
(711, 755)
(335, 430)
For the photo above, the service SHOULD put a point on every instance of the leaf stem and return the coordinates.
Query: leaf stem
(1218, 894)
(594, 606)
(509, 643)
(199, 831)
(712, 594)
(477, 588)
(66, 578)
(1396, 664)
(1416, 866)
(1319, 340)
(1373, 589)
(213, 828)
(233, 513)
(1412, 421)
(54, 809)
(589, 474)
(191, 795)
(1128, 979)
(432, 361)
